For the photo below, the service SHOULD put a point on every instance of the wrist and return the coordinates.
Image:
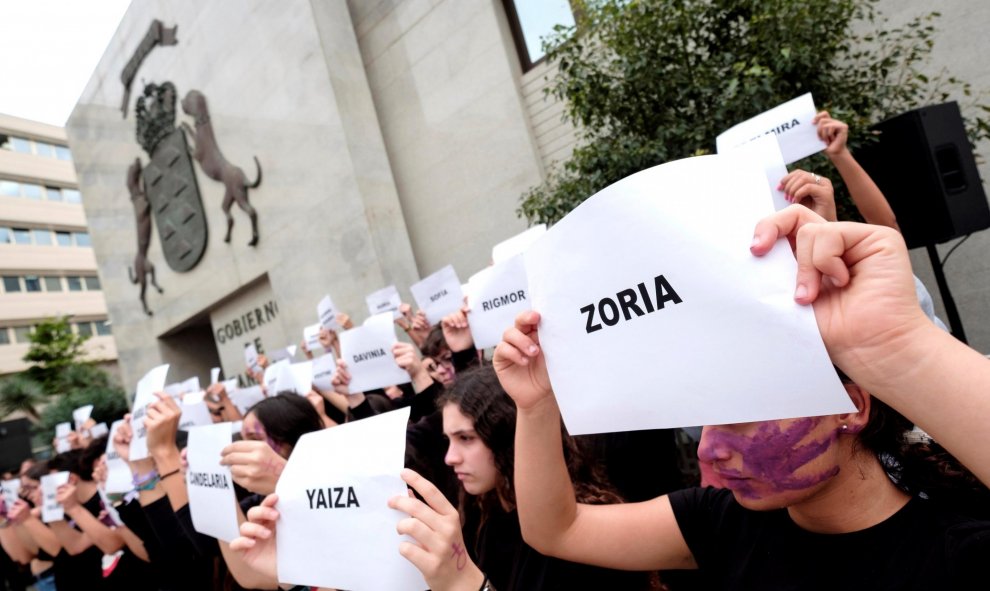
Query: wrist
(543, 409)
(142, 466)
(167, 462)
(164, 452)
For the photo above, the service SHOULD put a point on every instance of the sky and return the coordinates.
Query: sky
(48, 51)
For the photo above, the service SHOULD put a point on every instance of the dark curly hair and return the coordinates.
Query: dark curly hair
(286, 417)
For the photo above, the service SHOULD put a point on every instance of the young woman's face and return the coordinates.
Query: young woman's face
(772, 464)
(253, 430)
(441, 368)
(471, 459)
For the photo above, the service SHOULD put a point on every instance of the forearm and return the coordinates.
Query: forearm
(544, 492)
(167, 462)
(134, 543)
(73, 541)
(106, 539)
(43, 536)
(869, 200)
(940, 384)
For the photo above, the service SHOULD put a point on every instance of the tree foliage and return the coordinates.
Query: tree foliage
(21, 393)
(649, 81)
(53, 348)
(109, 404)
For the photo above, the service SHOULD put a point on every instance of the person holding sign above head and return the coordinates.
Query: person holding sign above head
(24, 517)
(812, 503)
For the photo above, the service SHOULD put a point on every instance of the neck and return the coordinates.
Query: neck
(85, 490)
(861, 495)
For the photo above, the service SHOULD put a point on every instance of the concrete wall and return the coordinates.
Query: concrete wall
(444, 75)
(284, 83)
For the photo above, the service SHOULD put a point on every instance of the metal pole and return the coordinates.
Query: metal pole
(943, 289)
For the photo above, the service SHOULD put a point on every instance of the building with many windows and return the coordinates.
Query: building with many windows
(47, 264)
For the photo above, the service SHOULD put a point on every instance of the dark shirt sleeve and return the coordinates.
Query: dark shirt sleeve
(700, 514)
(465, 359)
(203, 545)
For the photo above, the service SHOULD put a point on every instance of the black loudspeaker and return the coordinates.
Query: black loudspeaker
(15, 443)
(924, 165)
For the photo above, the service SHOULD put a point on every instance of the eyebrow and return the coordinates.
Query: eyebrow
(461, 432)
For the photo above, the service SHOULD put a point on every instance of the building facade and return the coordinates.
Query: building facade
(376, 141)
(47, 264)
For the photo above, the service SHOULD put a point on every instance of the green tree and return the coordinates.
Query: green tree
(109, 404)
(21, 393)
(54, 347)
(649, 81)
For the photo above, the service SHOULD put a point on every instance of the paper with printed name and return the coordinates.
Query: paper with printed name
(62, 431)
(195, 414)
(367, 351)
(98, 430)
(212, 502)
(384, 300)
(273, 373)
(323, 368)
(495, 295)
(518, 244)
(10, 489)
(791, 123)
(51, 509)
(656, 315)
(311, 335)
(251, 357)
(152, 382)
(118, 472)
(245, 398)
(81, 415)
(439, 294)
(327, 313)
(326, 487)
(283, 353)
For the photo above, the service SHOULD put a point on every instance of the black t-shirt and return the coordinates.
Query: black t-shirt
(922, 546)
(83, 571)
(513, 565)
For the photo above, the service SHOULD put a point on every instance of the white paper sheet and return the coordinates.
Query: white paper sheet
(518, 244)
(764, 152)
(327, 313)
(152, 382)
(118, 472)
(98, 430)
(229, 385)
(496, 295)
(62, 430)
(214, 375)
(111, 510)
(283, 353)
(735, 348)
(212, 502)
(10, 489)
(245, 398)
(386, 299)
(367, 350)
(81, 415)
(439, 294)
(271, 376)
(323, 368)
(195, 414)
(336, 529)
(251, 358)
(790, 122)
(311, 334)
(52, 510)
(302, 377)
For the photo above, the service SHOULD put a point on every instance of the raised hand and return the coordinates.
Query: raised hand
(253, 465)
(813, 191)
(435, 525)
(519, 362)
(162, 423)
(256, 544)
(833, 132)
(456, 331)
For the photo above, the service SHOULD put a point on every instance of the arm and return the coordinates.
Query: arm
(162, 423)
(74, 542)
(241, 569)
(134, 543)
(869, 200)
(100, 535)
(35, 534)
(869, 318)
(639, 536)
(13, 546)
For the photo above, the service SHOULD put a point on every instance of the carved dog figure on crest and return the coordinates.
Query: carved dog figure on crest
(143, 268)
(207, 152)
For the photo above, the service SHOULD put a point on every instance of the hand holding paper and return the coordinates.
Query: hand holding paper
(254, 465)
(519, 363)
(256, 544)
(162, 423)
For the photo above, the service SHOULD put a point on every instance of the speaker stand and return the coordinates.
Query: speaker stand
(943, 289)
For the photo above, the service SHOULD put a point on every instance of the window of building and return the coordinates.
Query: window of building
(102, 328)
(10, 189)
(533, 20)
(5, 236)
(11, 283)
(21, 145)
(31, 191)
(32, 283)
(43, 149)
(72, 196)
(53, 283)
(42, 237)
(82, 239)
(74, 282)
(53, 193)
(63, 238)
(4, 336)
(22, 334)
(22, 236)
(85, 329)
(63, 153)
(92, 283)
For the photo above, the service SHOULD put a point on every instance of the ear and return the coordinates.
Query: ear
(856, 421)
(73, 478)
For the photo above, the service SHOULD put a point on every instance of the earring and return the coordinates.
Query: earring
(844, 427)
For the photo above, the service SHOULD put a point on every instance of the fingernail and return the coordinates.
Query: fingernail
(532, 349)
(801, 292)
(756, 240)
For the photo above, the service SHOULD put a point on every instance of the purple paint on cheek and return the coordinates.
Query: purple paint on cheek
(770, 457)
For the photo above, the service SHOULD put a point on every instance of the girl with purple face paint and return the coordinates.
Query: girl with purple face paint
(839, 501)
